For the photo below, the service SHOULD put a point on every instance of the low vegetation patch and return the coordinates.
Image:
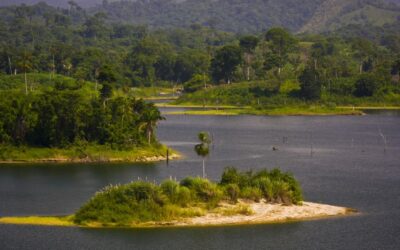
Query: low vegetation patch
(142, 202)
(88, 153)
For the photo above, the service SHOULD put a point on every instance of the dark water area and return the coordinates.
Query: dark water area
(339, 160)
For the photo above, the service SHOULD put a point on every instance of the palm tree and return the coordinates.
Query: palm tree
(149, 119)
(203, 149)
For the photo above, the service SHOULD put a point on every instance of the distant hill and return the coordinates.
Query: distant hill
(243, 16)
(56, 3)
(335, 14)
(247, 16)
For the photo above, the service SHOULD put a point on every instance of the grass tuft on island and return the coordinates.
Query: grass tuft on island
(88, 153)
(238, 198)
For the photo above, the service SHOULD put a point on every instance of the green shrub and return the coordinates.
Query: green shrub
(203, 189)
(251, 193)
(366, 85)
(265, 185)
(140, 201)
(232, 191)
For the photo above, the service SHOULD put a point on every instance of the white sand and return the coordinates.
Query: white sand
(269, 213)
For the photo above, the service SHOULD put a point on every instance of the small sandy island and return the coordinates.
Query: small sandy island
(253, 213)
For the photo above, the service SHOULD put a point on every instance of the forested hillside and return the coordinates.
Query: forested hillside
(73, 43)
(334, 14)
(241, 16)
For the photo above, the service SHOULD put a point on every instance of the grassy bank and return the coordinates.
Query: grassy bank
(266, 99)
(288, 110)
(91, 153)
(64, 221)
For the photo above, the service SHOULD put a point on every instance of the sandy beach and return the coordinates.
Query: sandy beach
(270, 213)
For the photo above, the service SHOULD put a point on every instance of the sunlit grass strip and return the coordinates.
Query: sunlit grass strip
(371, 107)
(91, 153)
(65, 221)
(272, 112)
(193, 105)
(203, 112)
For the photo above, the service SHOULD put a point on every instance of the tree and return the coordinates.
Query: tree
(149, 118)
(363, 49)
(319, 50)
(197, 82)
(141, 61)
(281, 42)
(106, 91)
(189, 63)
(225, 62)
(310, 84)
(366, 85)
(248, 45)
(203, 148)
(107, 74)
(95, 26)
(396, 70)
(24, 64)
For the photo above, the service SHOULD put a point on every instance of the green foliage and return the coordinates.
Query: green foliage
(232, 191)
(139, 202)
(64, 113)
(225, 62)
(204, 137)
(196, 83)
(310, 84)
(248, 43)
(273, 185)
(74, 49)
(366, 85)
(203, 149)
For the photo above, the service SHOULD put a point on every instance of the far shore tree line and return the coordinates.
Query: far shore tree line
(42, 39)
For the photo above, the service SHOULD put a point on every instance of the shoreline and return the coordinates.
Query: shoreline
(232, 110)
(272, 112)
(261, 113)
(95, 154)
(262, 213)
(145, 159)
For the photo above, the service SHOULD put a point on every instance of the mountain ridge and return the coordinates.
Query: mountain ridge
(239, 16)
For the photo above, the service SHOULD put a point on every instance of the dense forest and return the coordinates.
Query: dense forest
(40, 44)
(241, 16)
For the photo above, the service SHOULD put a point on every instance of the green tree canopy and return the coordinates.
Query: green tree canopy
(225, 62)
(310, 84)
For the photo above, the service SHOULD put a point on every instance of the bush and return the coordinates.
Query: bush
(310, 84)
(138, 202)
(203, 189)
(232, 191)
(196, 83)
(251, 193)
(366, 85)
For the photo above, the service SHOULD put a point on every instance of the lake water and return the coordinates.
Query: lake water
(339, 160)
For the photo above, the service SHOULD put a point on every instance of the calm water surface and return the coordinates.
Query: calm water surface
(338, 160)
